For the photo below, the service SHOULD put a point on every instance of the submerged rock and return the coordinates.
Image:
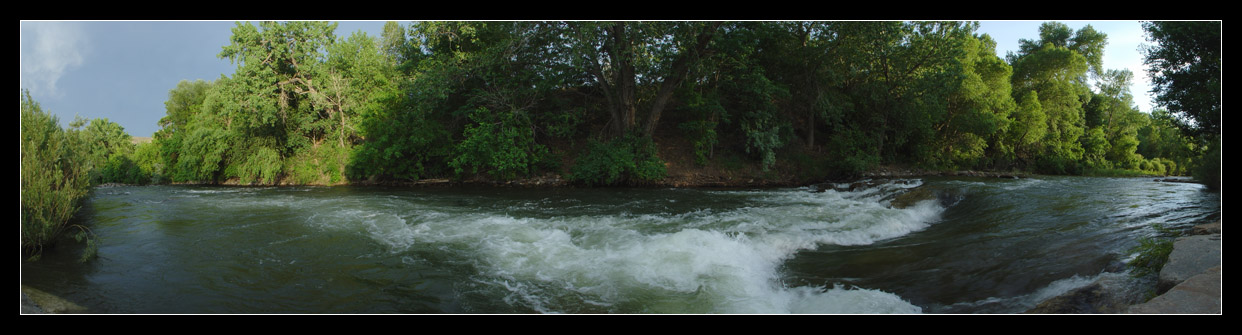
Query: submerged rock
(1090, 299)
(916, 195)
(1206, 229)
(45, 302)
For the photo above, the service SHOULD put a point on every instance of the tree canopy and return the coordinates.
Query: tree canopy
(620, 102)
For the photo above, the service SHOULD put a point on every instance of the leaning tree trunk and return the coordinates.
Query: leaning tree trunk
(679, 72)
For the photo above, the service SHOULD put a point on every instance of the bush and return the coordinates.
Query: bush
(626, 159)
(703, 134)
(853, 152)
(202, 151)
(147, 156)
(55, 178)
(1208, 170)
(262, 166)
(322, 164)
(402, 143)
(501, 144)
(120, 168)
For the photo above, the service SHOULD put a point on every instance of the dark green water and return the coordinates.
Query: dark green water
(982, 246)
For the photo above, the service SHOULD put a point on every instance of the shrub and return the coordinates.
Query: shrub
(147, 156)
(1208, 170)
(55, 178)
(703, 134)
(626, 159)
(502, 144)
(262, 166)
(120, 168)
(401, 143)
(853, 152)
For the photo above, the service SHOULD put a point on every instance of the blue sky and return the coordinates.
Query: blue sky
(123, 70)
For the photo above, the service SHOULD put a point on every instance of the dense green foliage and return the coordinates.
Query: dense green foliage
(1185, 66)
(606, 103)
(625, 160)
(55, 177)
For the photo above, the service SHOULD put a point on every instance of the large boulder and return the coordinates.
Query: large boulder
(1200, 294)
(1191, 256)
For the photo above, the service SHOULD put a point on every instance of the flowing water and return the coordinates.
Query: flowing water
(976, 246)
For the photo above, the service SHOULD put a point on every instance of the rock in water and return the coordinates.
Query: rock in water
(1200, 294)
(1090, 299)
(918, 194)
(912, 197)
(1206, 229)
(1191, 256)
(49, 303)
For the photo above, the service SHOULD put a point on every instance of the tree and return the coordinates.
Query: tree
(1185, 67)
(977, 104)
(1056, 67)
(897, 78)
(183, 102)
(633, 63)
(1113, 112)
(278, 78)
(1161, 138)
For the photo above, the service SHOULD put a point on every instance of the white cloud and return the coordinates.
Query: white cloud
(47, 51)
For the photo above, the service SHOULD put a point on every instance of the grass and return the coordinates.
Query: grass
(1153, 252)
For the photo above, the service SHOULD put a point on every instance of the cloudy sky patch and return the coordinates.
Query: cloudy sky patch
(48, 50)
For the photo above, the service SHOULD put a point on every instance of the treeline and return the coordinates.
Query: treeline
(592, 101)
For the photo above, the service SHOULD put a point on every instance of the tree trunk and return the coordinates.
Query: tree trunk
(626, 96)
(680, 70)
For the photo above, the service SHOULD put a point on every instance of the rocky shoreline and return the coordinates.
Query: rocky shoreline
(1189, 283)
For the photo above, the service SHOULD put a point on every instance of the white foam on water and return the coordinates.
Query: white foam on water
(1115, 282)
(707, 261)
(1023, 183)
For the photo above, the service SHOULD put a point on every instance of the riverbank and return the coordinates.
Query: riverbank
(700, 177)
(1189, 283)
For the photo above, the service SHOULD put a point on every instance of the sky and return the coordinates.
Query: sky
(123, 70)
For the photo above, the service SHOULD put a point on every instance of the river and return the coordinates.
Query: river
(979, 246)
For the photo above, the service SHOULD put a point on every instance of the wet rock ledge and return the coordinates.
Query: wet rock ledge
(1189, 283)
